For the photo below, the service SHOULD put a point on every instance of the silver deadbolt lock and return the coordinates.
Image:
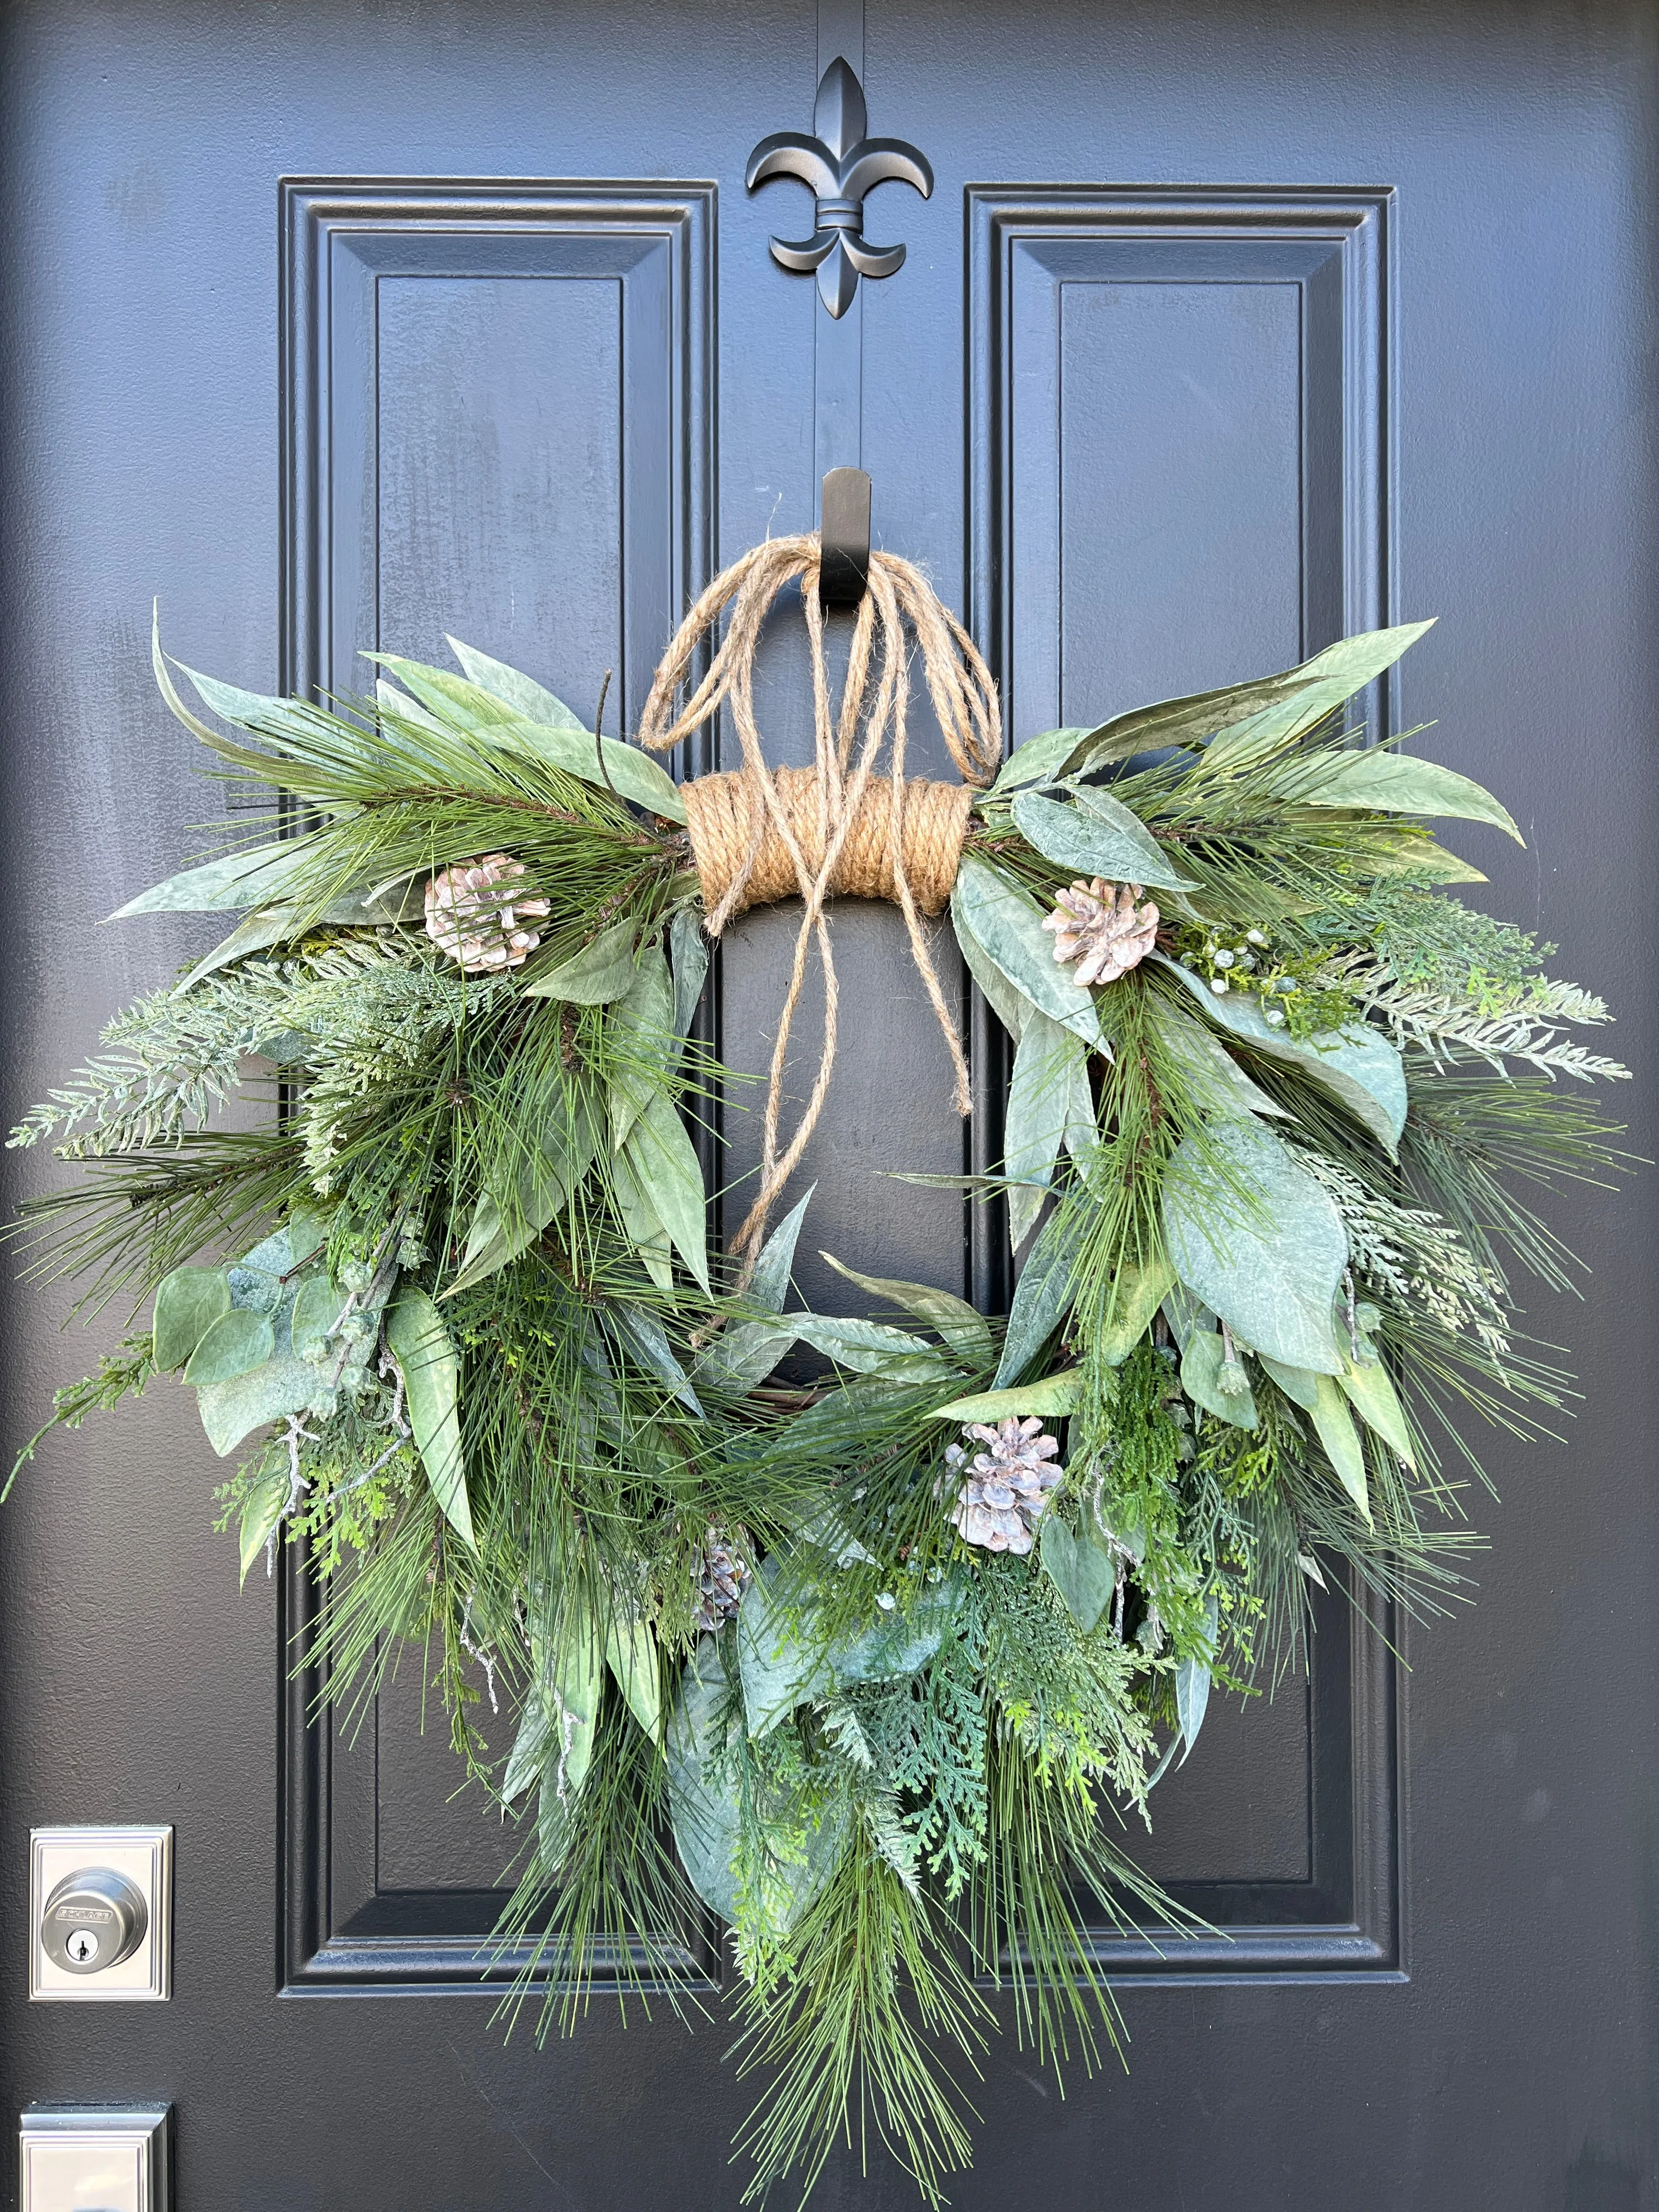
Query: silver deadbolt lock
(94, 1918)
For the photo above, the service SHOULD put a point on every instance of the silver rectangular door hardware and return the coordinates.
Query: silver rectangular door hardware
(100, 1914)
(113, 2160)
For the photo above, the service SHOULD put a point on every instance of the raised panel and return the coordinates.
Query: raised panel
(1178, 472)
(498, 423)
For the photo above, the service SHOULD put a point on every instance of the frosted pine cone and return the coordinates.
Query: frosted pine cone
(473, 916)
(1100, 926)
(1005, 1486)
(722, 1581)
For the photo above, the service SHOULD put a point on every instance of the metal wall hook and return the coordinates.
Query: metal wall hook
(844, 538)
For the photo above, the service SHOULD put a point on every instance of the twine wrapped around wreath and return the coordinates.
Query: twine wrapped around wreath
(759, 835)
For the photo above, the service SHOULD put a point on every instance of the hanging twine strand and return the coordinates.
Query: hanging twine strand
(759, 835)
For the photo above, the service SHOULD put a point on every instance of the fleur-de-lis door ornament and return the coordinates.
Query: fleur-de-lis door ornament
(841, 164)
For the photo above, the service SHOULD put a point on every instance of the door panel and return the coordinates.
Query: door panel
(1223, 333)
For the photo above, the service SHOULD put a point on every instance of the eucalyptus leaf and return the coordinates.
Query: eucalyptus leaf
(265, 715)
(520, 692)
(1219, 1086)
(1371, 1387)
(1042, 1296)
(317, 1307)
(1009, 926)
(688, 951)
(1048, 1099)
(1052, 1398)
(1378, 777)
(742, 1354)
(1186, 1315)
(643, 1335)
(1201, 1378)
(262, 1515)
(642, 1223)
(964, 1328)
(1300, 696)
(529, 1752)
(666, 1162)
(231, 1411)
(560, 1141)
(599, 973)
(631, 773)
(419, 1342)
(256, 876)
(1037, 761)
(1082, 1571)
(188, 1302)
(1140, 1288)
(1259, 1240)
(237, 1343)
(641, 1028)
(785, 1659)
(576, 1677)
(1193, 1686)
(871, 1347)
(769, 1286)
(1011, 1008)
(630, 1652)
(1356, 1065)
(1092, 834)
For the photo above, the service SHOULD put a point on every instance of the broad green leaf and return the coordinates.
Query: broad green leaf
(1371, 1389)
(1010, 1006)
(1393, 782)
(769, 1286)
(262, 1515)
(266, 715)
(688, 951)
(1356, 1065)
(1009, 926)
(632, 774)
(640, 1028)
(1053, 1397)
(393, 702)
(563, 1138)
(1049, 1103)
(257, 876)
(530, 1746)
(1321, 1398)
(419, 1342)
(666, 1161)
(704, 1806)
(963, 1326)
(1299, 697)
(276, 925)
(1299, 1384)
(519, 692)
(743, 1354)
(640, 1222)
(576, 1678)
(1186, 1315)
(1268, 1264)
(1096, 836)
(1141, 1287)
(1219, 1086)
(1193, 1686)
(1082, 1571)
(231, 1411)
(1202, 1366)
(1036, 760)
(599, 973)
(317, 1307)
(784, 1658)
(643, 1335)
(870, 1347)
(630, 1652)
(237, 1343)
(188, 1302)
(1042, 1296)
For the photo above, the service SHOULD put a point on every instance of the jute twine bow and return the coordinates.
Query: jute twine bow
(759, 835)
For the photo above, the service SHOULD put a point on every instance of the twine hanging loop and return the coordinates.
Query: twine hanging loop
(850, 824)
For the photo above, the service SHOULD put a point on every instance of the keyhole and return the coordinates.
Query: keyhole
(81, 1946)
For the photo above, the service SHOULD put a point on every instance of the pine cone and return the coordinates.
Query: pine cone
(1100, 926)
(472, 915)
(722, 1581)
(1005, 1486)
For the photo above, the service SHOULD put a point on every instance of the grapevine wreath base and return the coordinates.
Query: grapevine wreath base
(872, 1669)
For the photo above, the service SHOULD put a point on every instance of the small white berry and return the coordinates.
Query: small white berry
(1218, 985)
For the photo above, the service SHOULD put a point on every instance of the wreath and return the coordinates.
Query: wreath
(865, 1659)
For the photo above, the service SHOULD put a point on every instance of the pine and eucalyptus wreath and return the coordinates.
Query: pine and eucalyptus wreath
(868, 1668)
